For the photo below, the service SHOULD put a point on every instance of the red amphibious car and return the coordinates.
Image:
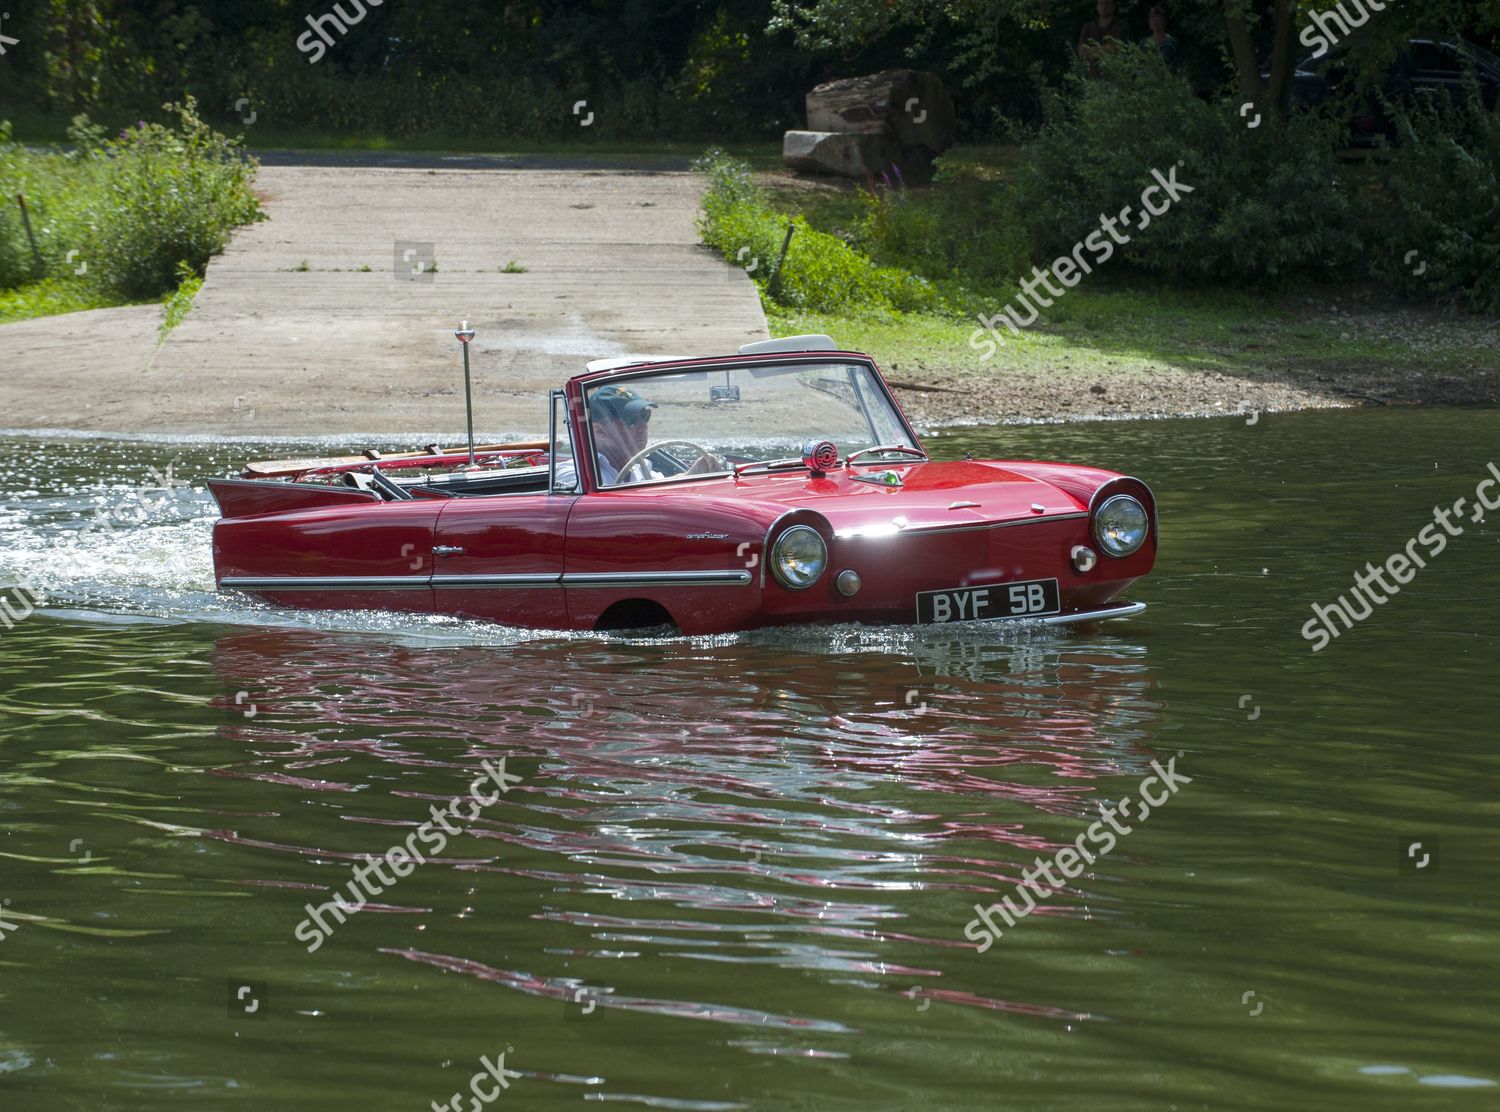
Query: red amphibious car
(780, 485)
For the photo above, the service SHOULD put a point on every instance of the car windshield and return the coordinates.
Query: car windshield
(695, 423)
(1481, 55)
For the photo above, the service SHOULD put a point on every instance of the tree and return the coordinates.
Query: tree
(1253, 38)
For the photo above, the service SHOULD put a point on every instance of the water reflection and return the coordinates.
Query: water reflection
(757, 804)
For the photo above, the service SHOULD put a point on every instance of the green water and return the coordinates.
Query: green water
(736, 872)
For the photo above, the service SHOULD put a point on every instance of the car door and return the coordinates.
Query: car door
(500, 556)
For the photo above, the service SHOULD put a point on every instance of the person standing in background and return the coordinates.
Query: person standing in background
(1100, 36)
(1159, 40)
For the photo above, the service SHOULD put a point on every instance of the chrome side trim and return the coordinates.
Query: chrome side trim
(326, 583)
(737, 578)
(958, 528)
(1124, 610)
(541, 580)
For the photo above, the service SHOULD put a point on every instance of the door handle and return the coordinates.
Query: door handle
(446, 550)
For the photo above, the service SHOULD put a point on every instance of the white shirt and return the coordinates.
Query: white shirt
(609, 474)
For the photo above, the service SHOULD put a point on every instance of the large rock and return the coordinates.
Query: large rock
(851, 154)
(909, 106)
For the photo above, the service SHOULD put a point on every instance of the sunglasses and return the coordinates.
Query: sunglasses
(641, 418)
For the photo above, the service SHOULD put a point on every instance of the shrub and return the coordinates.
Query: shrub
(176, 305)
(1442, 188)
(963, 228)
(171, 196)
(56, 187)
(822, 273)
(1267, 202)
(15, 255)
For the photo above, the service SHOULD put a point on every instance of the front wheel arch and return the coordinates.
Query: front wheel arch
(635, 613)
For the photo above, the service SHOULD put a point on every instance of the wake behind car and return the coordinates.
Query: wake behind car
(779, 485)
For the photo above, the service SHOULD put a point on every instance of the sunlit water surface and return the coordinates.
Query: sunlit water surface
(737, 871)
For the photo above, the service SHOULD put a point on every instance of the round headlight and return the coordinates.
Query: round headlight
(1121, 525)
(799, 557)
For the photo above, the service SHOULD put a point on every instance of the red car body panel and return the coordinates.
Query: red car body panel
(384, 542)
(692, 550)
(520, 544)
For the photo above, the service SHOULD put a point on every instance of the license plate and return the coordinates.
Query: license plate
(1032, 599)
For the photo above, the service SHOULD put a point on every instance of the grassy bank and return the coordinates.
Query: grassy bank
(1119, 343)
(117, 220)
(1114, 332)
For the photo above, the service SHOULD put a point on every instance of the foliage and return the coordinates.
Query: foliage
(171, 197)
(1266, 202)
(177, 303)
(122, 214)
(821, 271)
(1269, 201)
(55, 188)
(15, 255)
(1455, 230)
(708, 70)
(965, 228)
(987, 45)
(468, 67)
(1112, 331)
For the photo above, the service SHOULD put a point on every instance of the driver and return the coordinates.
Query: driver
(621, 419)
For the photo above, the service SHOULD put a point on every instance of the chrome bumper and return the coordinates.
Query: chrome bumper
(1123, 610)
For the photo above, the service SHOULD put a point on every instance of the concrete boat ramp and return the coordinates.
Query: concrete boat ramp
(335, 317)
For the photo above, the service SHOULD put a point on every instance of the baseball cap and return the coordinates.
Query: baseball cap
(620, 402)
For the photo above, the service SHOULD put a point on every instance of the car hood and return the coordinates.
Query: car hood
(929, 496)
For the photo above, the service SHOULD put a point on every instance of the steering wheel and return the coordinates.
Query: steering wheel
(635, 460)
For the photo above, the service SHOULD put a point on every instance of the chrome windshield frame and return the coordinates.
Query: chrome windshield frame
(790, 362)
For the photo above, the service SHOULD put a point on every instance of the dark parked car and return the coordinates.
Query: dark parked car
(1423, 68)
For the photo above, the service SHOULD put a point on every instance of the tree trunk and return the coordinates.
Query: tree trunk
(1283, 57)
(1243, 50)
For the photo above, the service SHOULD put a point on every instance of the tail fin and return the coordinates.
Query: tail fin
(255, 497)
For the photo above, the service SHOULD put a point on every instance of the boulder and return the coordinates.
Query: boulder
(850, 154)
(909, 106)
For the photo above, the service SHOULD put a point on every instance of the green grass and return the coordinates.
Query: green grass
(1116, 324)
(1127, 329)
(177, 303)
(53, 296)
(50, 297)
